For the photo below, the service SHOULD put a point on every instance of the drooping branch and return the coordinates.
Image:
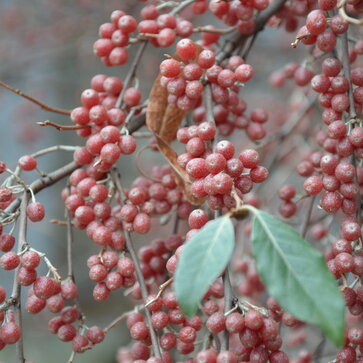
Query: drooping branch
(34, 100)
(16, 292)
(139, 275)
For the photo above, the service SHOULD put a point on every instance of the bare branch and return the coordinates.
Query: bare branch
(139, 275)
(131, 73)
(34, 100)
(63, 127)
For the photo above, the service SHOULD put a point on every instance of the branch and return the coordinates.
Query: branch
(162, 287)
(139, 275)
(288, 130)
(180, 7)
(63, 127)
(306, 223)
(199, 29)
(260, 22)
(69, 245)
(135, 124)
(346, 71)
(16, 292)
(131, 73)
(34, 100)
(228, 299)
(352, 112)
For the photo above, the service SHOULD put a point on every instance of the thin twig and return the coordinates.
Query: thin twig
(180, 7)
(288, 130)
(306, 223)
(139, 275)
(246, 51)
(34, 100)
(162, 288)
(209, 105)
(69, 245)
(16, 292)
(63, 127)
(346, 71)
(228, 300)
(48, 150)
(207, 29)
(117, 321)
(352, 112)
(131, 73)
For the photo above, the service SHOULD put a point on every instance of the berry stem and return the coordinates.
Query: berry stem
(34, 100)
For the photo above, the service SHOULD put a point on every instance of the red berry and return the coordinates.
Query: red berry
(27, 163)
(35, 211)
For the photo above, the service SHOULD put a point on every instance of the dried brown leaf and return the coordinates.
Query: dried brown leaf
(156, 106)
(182, 178)
(163, 121)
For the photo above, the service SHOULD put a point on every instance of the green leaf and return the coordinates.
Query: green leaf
(296, 275)
(202, 260)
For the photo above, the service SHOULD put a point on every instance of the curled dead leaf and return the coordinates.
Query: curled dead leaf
(163, 120)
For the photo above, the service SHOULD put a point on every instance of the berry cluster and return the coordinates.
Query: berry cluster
(238, 13)
(288, 207)
(184, 76)
(216, 173)
(66, 332)
(152, 197)
(253, 336)
(163, 29)
(101, 271)
(98, 104)
(10, 331)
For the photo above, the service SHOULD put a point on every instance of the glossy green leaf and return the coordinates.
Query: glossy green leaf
(202, 260)
(296, 275)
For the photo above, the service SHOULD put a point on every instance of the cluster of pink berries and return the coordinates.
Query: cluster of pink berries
(216, 173)
(162, 29)
(10, 331)
(292, 70)
(101, 271)
(185, 75)
(147, 197)
(66, 332)
(238, 13)
(98, 104)
(333, 91)
(318, 31)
